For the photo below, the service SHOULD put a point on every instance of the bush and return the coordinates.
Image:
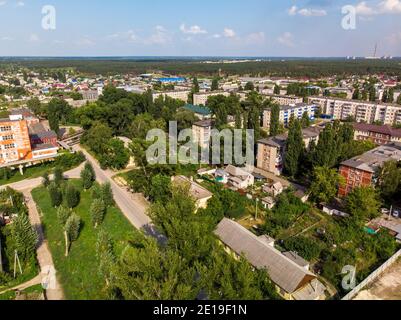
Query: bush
(56, 197)
(307, 248)
(72, 196)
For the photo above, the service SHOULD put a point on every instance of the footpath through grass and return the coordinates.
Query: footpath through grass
(78, 273)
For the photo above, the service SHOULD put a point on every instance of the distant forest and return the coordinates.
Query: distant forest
(311, 68)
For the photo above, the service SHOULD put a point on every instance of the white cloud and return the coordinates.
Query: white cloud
(292, 11)
(216, 36)
(85, 42)
(383, 7)
(195, 29)
(307, 12)
(286, 39)
(229, 33)
(160, 36)
(256, 38)
(34, 38)
(20, 4)
(394, 39)
(129, 36)
(2, 3)
(6, 38)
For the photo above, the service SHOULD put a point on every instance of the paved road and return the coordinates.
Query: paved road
(133, 210)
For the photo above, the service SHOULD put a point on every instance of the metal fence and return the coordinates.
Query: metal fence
(373, 276)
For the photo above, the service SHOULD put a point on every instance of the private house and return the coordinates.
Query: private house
(362, 171)
(292, 281)
(273, 188)
(237, 177)
(268, 203)
(199, 193)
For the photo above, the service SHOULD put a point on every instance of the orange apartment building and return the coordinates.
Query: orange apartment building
(15, 144)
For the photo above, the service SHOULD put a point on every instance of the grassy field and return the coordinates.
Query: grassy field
(78, 273)
(29, 173)
(32, 293)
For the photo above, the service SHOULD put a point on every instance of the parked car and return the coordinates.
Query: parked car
(396, 214)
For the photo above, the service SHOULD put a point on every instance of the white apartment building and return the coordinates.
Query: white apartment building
(202, 133)
(285, 100)
(201, 98)
(362, 111)
(287, 111)
(180, 95)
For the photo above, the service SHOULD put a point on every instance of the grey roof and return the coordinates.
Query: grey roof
(282, 271)
(374, 159)
(204, 123)
(297, 259)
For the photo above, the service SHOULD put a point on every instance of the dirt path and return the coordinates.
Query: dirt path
(387, 287)
(48, 271)
(21, 287)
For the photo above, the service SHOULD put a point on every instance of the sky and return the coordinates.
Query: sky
(268, 28)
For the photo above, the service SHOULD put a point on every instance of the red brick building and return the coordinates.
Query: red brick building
(379, 135)
(362, 171)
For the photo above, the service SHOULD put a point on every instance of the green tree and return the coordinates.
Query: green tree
(277, 89)
(195, 85)
(24, 236)
(71, 231)
(72, 196)
(97, 211)
(390, 179)
(399, 99)
(87, 179)
(45, 179)
(107, 194)
(215, 84)
(356, 95)
(105, 256)
(116, 156)
(275, 120)
(305, 121)
(372, 94)
(294, 149)
(325, 183)
(146, 272)
(56, 197)
(249, 86)
(363, 203)
(390, 98)
(97, 138)
(35, 106)
(160, 189)
(63, 214)
(58, 176)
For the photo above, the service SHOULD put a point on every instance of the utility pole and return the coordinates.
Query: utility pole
(16, 260)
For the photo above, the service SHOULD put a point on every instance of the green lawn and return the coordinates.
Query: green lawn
(78, 273)
(29, 173)
(65, 160)
(32, 293)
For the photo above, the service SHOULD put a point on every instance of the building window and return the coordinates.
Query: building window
(7, 137)
(5, 128)
(9, 146)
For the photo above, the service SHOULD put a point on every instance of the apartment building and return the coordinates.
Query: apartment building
(379, 135)
(362, 111)
(201, 98)
(285, 100)
(180, 95)
(14, 141)
(362, 171)
(202, 132)
(287, 111)
(271, 151)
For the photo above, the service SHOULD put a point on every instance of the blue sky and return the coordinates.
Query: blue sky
(200, 28)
